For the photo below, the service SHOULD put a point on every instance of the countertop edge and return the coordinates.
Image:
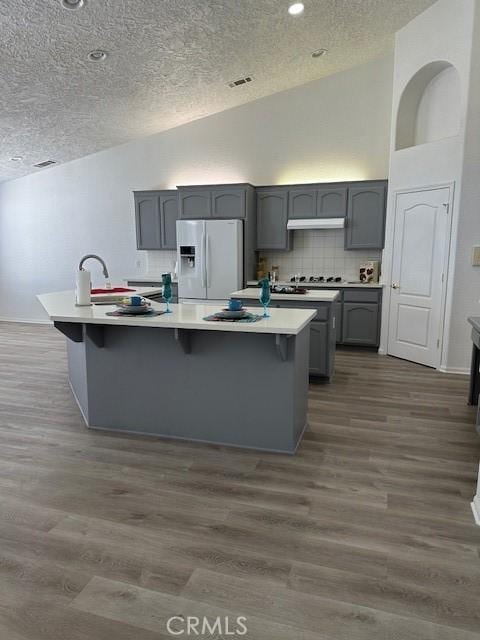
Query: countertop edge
(324, 285)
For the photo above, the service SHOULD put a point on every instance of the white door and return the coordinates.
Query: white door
(224, 258)
(420, 254)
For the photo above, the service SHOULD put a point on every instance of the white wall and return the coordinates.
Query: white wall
(466, 288)
(333, 129)
(442, 33)
(439, 112)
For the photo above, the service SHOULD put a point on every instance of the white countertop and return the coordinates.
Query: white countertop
(332, 285)
(310, 296)
(61, 307)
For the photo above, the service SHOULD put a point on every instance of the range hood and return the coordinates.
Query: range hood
(316, 223)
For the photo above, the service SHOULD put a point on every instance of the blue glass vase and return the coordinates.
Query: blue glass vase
(265, 295)
(167, 290)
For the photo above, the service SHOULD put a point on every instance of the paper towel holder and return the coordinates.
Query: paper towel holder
(83, 283)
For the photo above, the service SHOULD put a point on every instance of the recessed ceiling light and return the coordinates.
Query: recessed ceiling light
(73, 4)
(16, 158)
(319, 52)
(98, 55)
(296, 9)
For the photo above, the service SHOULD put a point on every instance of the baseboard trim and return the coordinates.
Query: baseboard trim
(476, 513)
(24, 320)
(460, 371)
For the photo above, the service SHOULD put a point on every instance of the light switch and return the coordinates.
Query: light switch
(476, 257)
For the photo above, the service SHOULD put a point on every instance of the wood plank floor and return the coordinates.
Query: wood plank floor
(366, 534)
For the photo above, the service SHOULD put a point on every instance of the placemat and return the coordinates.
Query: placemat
(149, 314)
(253, 317)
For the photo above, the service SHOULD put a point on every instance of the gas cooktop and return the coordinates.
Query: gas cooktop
(318, 279)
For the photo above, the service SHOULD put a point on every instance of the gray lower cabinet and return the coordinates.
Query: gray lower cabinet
(321, 354)
(361, 324)
(338, 309)
(322, 333)
(357, 316)
(272, 216)
(365, 224)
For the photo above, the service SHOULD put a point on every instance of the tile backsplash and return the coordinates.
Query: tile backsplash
(319, 252)
(159, 262)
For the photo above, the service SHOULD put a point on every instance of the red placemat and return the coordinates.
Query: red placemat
(114, 290)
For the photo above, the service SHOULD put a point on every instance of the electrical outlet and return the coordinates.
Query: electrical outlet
(138, 264)
(476, 257)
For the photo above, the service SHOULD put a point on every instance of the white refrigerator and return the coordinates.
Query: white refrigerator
(210, 259)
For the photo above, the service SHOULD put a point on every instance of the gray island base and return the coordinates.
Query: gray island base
(242, 385)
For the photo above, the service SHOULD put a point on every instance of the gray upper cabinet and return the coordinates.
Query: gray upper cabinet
(332, 202)
(302, 203)
(156, 214)
(168, 220)
(195, 203)
(147, 221)
(311, 202)
(365, 228)
(272, 213)
(214, 201)
(228, 203)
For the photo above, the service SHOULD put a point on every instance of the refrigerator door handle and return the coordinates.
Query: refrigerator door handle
(204, 262)
(208, 261)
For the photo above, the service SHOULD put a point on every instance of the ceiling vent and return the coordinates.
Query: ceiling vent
(240, 81)
(45, 163)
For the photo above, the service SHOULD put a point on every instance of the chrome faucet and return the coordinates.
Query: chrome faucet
(92, 255)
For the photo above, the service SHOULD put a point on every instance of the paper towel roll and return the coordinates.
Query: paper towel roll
(83, 288)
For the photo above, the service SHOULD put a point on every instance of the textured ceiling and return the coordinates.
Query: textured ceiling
(169, 63)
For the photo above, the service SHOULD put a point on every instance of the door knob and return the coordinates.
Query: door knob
(395, 285)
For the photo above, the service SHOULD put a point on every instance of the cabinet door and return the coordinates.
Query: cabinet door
(147, 221)
(319, 351)
(361, 324)
(272, 230)
(332, 203)
(195, 204)
(365, 227)
(228, 204)
(338, 311)
(168, 217)
(302, 203)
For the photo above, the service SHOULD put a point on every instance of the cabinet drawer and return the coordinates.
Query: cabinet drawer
(362, 295)
(322, 310)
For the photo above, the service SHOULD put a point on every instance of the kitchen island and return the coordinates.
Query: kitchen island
(322, 329)
(177, 375)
